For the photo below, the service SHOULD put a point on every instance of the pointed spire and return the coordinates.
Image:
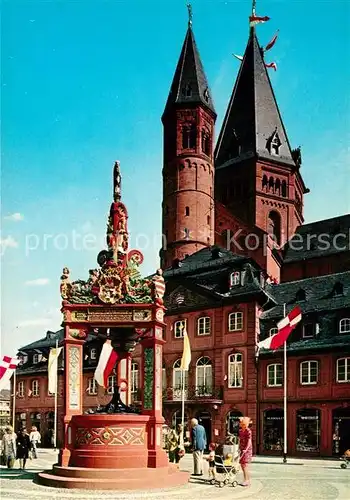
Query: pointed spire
(253, 125)
(190, 85)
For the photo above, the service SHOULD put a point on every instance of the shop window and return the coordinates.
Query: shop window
(179, 328)
(273, 428)
(235, 321)
(235, 370)
(232, 422)
(275, 375)
(204, 377)
(308, 372)
(92, 387)
(203, 325)
(343, 370)
(308, 430)
(344, 325)
(235, 278)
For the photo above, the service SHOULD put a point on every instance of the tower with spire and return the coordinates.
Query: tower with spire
(257, 174)
(188, 170)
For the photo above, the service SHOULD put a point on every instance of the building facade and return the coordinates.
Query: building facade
(236, 256)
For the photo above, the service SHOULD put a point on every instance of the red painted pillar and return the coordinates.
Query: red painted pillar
(152, 355)
(73, 385)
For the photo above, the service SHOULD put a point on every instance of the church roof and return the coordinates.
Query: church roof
(190, 85)
(253, 122)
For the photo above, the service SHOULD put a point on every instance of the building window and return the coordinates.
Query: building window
(187, 90)
(273, 429)
(310, 330)
(344, 325)
(20, 389)
(308, 430)
(235, 370)
(308, 372)
(235, 278)
(300, 296)
(134, 377)
(274, 226)
(177, 381)
(164, 384)
(111, 384)
(284, 189)
(235, 321)
(203, 325)
(232, 422)
(93, 353)
(206, 143)
(187, 211)
(92, 387)
(36, 358)
(189, 137)
(273, 331)
(204, 377)
(35, 388)
(179, 328)
(208, 220)
(343, 370)
(275, 375)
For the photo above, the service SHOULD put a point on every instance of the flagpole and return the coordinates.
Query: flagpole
(183, 400)
(55, 416)
(14, 401)
(285, 395)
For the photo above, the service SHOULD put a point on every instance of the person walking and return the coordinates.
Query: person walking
(23, 447)
(9, 447)
(245, 448)
(199, 443)
(35, 439)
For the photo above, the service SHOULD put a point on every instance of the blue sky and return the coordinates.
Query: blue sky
(84, 83)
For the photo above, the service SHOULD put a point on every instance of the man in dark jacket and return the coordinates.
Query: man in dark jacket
(199, 443)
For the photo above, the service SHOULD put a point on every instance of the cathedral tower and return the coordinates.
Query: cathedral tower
(257, 174)
(188, 172)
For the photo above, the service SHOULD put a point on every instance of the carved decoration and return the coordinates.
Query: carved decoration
(77, 333)
(110, 436)
(74, 377)
(148, 379)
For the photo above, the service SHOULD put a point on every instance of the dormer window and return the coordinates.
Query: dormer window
(300, 296)
(36, 359)
(310, 330)
(338, 290)
(187, 90)
(344, 325)
(274, 143)
(206, 94)
(235, 278)
(273, 331)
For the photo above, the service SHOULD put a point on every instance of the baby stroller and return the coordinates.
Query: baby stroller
(345, 461)
(227, 473)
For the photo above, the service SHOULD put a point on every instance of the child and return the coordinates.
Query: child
(228, 460)
(245, 448)
(211, 460)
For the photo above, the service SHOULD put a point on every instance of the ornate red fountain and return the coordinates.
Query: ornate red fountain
(114, 447)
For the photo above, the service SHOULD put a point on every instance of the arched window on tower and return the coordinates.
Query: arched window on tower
(271, 184)
(187, 211)
(264, 182)
(278, 187)
(189, 136)
(206, 142)
(284, 189)
(274, 226)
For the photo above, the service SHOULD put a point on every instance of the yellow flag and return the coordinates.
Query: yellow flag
(52, 368)
(186, 355)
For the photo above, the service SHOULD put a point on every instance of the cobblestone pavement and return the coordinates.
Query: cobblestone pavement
(299, 479)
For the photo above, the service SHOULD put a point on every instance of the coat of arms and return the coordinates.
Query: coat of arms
(110, 286)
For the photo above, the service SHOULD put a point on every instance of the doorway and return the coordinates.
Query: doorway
(204, 418)
(341, 431)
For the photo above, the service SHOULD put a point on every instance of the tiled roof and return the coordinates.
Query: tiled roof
(319, 239)
(46, 342)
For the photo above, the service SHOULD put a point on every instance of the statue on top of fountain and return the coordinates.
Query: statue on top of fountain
(118, 279)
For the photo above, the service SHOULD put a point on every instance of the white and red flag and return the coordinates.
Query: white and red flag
(271, 65)
(254, 20)
(8, 366)
(106, 363)
(285, 327)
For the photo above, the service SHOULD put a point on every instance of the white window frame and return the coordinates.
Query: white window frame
(204, 325)
(273, 331)
(207, 370)
(273, 368)
(134, 382)
(235, 278)
(35, 388)
(347, 371)
(93, 353)
(164, 377)
(92, 387)
(344, 325)
(235, 360)
(314, 332)
(309, 363)
(179, 327)
(110, 384)
(177, 389)
(237, 324)
(20, 389)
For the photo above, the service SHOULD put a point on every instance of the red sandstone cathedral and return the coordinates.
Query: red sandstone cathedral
(235, 252)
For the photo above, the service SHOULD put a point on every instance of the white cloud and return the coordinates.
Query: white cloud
(16, 217)
(38, 282)
(7, 242)
(35, 322)
(86, 227)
